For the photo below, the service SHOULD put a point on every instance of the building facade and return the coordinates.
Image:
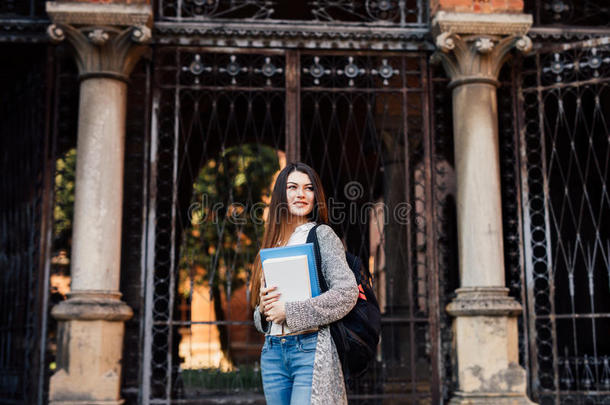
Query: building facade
(464, 146)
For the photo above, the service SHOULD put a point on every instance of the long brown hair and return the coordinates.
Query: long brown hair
(276, 226)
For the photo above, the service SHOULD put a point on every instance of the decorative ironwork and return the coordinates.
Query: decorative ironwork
(590, 62)
(133, 251)
(316, 70)
(356, 128)
(564, 142)
(23, 31)
(214, 9)
(569, 12)
(350, 71)
(385, 71)
(22, 9)
(392, 11)
(382, 12)
(511, 208)
(232, 69)
(23, 21)
(445, 219)
(220, 126)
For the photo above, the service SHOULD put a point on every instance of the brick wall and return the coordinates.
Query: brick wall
(477, 6)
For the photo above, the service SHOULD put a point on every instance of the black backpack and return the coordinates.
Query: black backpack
(356, 335)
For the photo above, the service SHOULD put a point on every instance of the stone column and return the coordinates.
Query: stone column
(473, 48)
(107, 41)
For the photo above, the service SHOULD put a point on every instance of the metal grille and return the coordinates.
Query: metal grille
(218, 124)
(382, 12)
(22, 8)
(445, 223)
(137, 145)
(24, 210)
(511, 202)
(364, 126)
(223, 124)
(589, 13)
(565, 105)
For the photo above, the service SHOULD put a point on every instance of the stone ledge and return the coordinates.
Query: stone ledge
(99, 14)
(92, 306)
(508, 398)
(291, 35)
(481, 24)
(483, 301)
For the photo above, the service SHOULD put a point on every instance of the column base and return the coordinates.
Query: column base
(508, 398)
(89, 348)
(487, 342)
(483, 301)
(92, 305)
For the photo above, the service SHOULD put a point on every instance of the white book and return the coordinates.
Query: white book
(291, 277)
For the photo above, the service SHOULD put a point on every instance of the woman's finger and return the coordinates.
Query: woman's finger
(276, 312)
(265, 290)
(269, 297)
(271, 301)
(267, 301)
(272, 317)
(269, 313)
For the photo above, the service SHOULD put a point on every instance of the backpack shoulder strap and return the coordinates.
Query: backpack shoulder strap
(312, 237)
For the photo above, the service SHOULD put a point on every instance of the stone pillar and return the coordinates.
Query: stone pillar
(107, 40)
(473, 48)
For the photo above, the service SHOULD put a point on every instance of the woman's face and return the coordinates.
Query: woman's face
(299, 193)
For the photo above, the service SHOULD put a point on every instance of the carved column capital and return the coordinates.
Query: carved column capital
(107, 39)
(473, 47)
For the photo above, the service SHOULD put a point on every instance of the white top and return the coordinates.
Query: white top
(298, 237)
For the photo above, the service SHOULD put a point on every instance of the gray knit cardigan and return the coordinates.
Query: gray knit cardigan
(327, 386)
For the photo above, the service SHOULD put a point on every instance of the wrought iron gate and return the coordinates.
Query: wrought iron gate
(564, 100)
(224, 122)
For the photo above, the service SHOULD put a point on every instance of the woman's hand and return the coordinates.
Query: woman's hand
(261, 293)
(271, 306)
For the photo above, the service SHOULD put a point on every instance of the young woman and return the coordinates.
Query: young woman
(302, 366)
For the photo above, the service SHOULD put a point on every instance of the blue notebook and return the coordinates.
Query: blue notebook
(296, 250)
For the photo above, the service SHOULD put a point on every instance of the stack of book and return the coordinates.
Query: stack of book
(292, 269)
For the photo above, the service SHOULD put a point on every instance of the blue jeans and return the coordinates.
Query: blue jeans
(287, 368)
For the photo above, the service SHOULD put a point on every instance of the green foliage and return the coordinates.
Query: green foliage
(244, 378)
(65, 175)
(225, 217)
